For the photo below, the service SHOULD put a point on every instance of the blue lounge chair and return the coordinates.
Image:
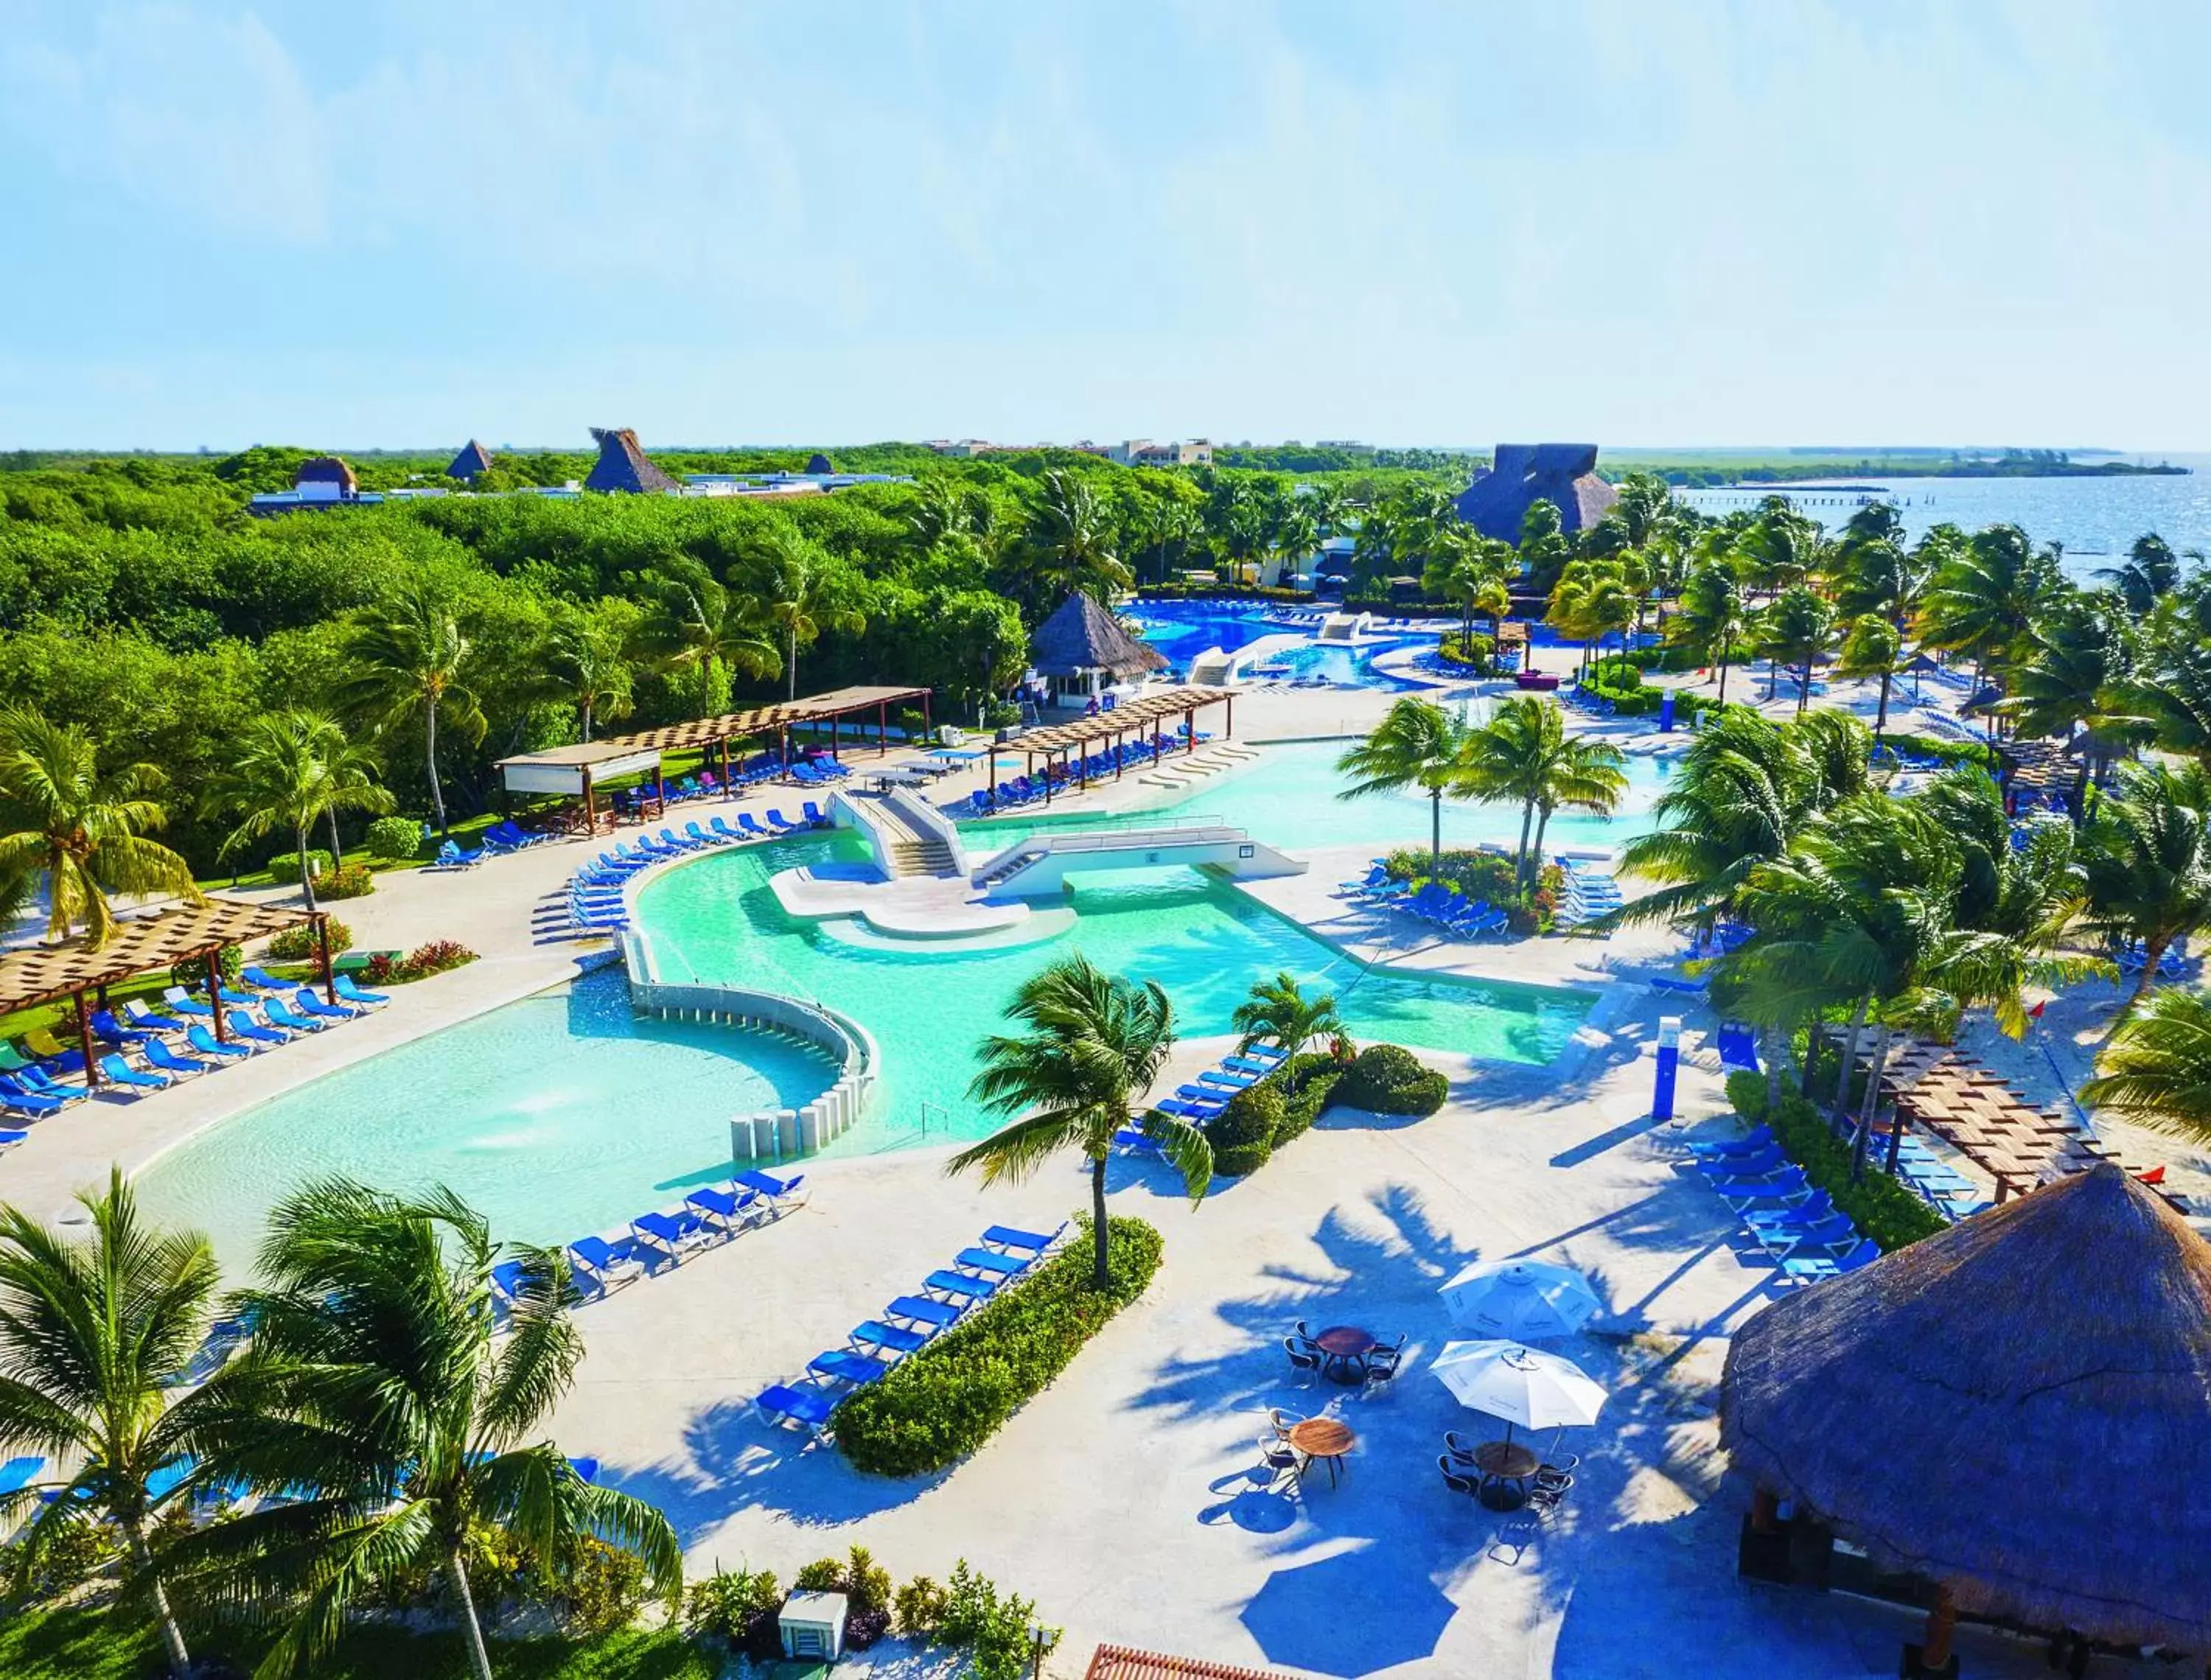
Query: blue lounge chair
(1738, 1048)
(814, 814)
(748, 822)
(700, 835)
(783, 824)
(46, 1085)
(184, 1003)
(886, 1338)
(1228, 1078)
(1758, 1142)
(731, 1212)
(1788, 1188)
(18, 1474)
(306, 1001)
(673, 1233)
(243, 1025)
(1007, 1236)
(1130, 1140)
(278, 1013)
(598, 1262)
(809, 1408)
(992, 1264)
(958, 1285)
(207, 1045)
(11, 1135)
(266, 980)
(451, 856)
(842, 1365)
(779, 1192)
(105, 1026)
(715, 824)
(139, 1016)
(507, 1281)
(587, 1470)
(24, 1100)
(920, 1309)
(117, 1071)
(1824, 1238)
(1182, 1109)
(1815, 1268)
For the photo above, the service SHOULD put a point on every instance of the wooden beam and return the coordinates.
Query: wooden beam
(84, 1043)
(214, 991)
(322, 950)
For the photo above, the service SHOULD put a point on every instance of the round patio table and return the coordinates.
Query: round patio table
(1505, 1466)
(1344, 1348)
(1328, 1438)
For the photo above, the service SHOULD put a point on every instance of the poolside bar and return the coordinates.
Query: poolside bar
(184, 933)
(576, 771)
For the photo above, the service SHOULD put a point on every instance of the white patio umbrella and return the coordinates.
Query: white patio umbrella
(1535, 1390)
(1521, 1301)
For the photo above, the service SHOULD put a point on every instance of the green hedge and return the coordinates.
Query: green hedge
(1225, 591)
(1476, 654)
(1263, 1117)
(938, 1405)
(284, 866)
(1877, 1205)
(1386, 1079)
(1941, 747)
(397, 838)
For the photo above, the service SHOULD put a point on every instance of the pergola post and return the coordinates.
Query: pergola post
(1765, 1510)
(214, 991)
(660, 789)
(928, 717)
(84, 1041)
(322, 950)
(1934, 1655)
(882, 728)
(1228, 729)
(590, 811)
(725, 766)
(994, 776)
(1117, 765)
(1047, 775)
(835, 733)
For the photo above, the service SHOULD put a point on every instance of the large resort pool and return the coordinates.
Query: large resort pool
(563, 1113)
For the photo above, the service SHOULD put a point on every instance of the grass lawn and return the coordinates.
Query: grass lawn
(88, 1645)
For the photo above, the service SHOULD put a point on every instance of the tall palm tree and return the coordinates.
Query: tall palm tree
(1523, 754)
(77, 830)
(587, 655)
(2148, 860)
(2156, 1068)
(1872, 646)
(2080, 657)
(1069, 545)
(1590, 601)
(411, 660)
(94, 1332)
(1416, 745)
(1469, 569)
(1712, 617)
(2150, 572)
(1796, 630)
(701, 628)
(1279, 1011)
(1094, 1043)
(798, 598)
(1297, 538)
(376, 1393)
(292, 769)
(1242, 537)
(1986, 595)
(1782, 547)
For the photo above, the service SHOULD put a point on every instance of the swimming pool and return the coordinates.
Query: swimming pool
(1182, 630)
(717, 919)
(559, 1115)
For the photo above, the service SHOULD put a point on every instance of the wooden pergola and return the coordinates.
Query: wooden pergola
(777, 720)
(1116, 725)
(186, 933)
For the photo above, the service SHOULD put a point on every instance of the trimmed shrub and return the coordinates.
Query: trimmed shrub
(191, 973)
(1312, 1079)
(431, 956)
(1387, 1079)
(297, 944)
(938, 1405)
(1877, 1205)
(1223, 591)
(737, 1607)
(284, 866)
(348, 880)
(1477, 653)
(992, 1631)
(397, 838)
(1244, 1133)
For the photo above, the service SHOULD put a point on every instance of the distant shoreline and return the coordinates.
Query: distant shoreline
(1825, 474)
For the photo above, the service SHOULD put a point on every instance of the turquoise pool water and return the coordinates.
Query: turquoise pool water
(718, 919)
(1289, 798)
(559, 1115)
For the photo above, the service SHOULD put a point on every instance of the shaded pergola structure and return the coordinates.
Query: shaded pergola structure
(578, 770)
(184, 933)
(2016, 1410)
(1122, 1662)
(1144, 715)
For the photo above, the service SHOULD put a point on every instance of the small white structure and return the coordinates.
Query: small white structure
(813, 1626)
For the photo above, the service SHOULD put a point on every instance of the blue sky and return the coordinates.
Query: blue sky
(1645, 222)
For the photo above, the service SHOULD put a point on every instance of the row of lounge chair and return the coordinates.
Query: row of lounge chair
(1206, 1096)
(1807, 1236)
(665, 1238)
(1001, 1258)
(595, 890)
(39, 1076)
(1590, 895)
(1022, 790)
(1435, 901)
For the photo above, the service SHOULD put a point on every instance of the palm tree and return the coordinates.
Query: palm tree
(2079, 659)
(1711, 617)
(1986, 596)
(1416, 745)
(411, 660)
(292, 768)
(376, 1393)
(1523, 753)
(1297, 538)
(1872, 647)
(1591, 600)
(701, 628)
(1796, 630)
(94, 1332)
(75, 831)
(795, 589)
(1094, 1043)
(1470, 570)
(1241, 539)
(587, 654)
(1069, 543)
(2156, 1068)
(2150, 572)
(2148, 858)
(1782, 547)
(1278, 1012)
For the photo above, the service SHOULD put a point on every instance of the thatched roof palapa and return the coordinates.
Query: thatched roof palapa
(2018, 1409)
(326, 469)
(473, 460)
(818, 464)
(623, 466)
(1564, 474)
(1082, 635)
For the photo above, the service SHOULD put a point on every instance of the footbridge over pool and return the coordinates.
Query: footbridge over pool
(1041, 863)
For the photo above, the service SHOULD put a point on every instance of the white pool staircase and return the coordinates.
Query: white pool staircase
(1041, 863)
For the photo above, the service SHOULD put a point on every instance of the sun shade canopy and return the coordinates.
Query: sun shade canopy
(46, 972)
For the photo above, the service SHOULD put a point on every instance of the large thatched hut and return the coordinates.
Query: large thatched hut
(1083, 648)
(471, 463)
(2017, 1409)
(1520, 474)
(623, 467)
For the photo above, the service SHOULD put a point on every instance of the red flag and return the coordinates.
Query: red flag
(2035, 1013)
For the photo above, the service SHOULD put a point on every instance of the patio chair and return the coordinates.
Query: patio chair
(882, 1340)
(1454, 1480)
(842, 1365)
(598, 1263)
(117, 1071)
(1544, 1498)
(168, 1061)
(1007, 1236)
(1304, 1356)
(1563, 1471)
(139, 1016)
(731, 1210)
(673, 1235)
(1382, 1362)
(204, 1043)
(1281, 1461)
(920, 1309)
(810, 1409)
(780, 1193)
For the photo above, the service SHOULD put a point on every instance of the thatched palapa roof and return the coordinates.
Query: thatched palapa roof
(473, 460)
(1563, 473)
(818, 464)
(623, 466)
(2018, 1408)
(1082, 635)
(326, 469)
